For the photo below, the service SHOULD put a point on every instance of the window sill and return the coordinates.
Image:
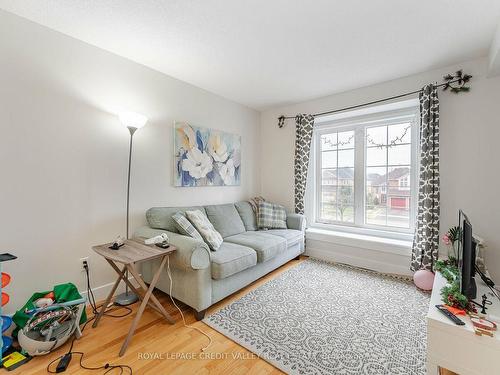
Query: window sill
(369, 242)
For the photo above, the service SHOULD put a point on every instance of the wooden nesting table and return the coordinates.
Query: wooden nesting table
(124, 259)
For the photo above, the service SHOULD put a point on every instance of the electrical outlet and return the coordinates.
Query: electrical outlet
(83, 262)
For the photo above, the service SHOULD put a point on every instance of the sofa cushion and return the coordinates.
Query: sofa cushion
(271, 216)
(161, 217)
(206, 229)
(247, 214)
(266, 245)
(291, 236)
(231, 258)
(225, 219)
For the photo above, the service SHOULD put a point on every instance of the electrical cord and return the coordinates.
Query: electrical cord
(180, 311)
(489, 283)
(92, 302)
(108, 367)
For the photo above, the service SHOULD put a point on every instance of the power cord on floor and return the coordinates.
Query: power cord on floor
(180, 311)
(92, 302)
(95, 310)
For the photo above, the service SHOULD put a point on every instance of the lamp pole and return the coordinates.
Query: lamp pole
(132, 131)
(132, 121)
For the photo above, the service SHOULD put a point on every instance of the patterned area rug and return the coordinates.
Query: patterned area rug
(322, 318)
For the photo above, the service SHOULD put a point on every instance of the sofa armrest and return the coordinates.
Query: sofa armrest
(190, 254)
(296, 221)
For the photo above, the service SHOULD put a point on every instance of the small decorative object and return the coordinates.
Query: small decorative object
(456, 82)
(206, 157)
(424, 279)
(281, 121)
(485, 302)
(483, 326)
(156, 239)
(452, 239)
(117, 243)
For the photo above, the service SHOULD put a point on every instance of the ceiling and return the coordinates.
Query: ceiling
(264, 53)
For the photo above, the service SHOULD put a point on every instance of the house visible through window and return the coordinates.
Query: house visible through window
(337, 168)
(365, 171)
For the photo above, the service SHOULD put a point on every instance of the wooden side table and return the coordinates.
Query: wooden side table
(128, 256)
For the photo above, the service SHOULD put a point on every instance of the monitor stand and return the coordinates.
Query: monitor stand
(471, 293)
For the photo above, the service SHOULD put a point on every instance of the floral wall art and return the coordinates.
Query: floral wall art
(206, 157)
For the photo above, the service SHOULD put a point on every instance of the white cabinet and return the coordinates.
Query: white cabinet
(458, 348)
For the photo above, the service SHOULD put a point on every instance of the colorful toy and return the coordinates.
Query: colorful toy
(51, 326)
(5, 321)
(43, 302)
(5, 279)
(5, 298)
(14, 360)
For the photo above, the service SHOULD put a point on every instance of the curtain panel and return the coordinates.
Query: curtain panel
(426, 239)
(303, 136)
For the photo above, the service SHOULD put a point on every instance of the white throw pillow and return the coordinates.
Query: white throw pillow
(206, 229)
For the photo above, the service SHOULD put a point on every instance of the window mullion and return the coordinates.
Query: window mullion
(318, 176)
(359, 175)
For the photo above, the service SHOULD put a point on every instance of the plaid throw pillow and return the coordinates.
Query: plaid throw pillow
(185, 227)
(271, 216)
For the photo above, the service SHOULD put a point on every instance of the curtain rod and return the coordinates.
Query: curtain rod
(461, 80)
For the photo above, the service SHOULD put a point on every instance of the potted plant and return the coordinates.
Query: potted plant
(452, 239)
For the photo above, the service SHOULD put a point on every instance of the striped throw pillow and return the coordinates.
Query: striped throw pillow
(206, 229)
(271, 216)
(185, 227)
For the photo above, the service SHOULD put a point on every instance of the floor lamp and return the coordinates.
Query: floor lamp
(132, 121)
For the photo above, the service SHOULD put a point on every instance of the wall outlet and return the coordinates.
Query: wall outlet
(83, 262)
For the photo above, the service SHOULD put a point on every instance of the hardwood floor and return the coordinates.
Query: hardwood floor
(160, 348)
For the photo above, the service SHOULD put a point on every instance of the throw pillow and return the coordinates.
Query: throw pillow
(185, 227)
(206, 229)
(271, 216)
(254, 202)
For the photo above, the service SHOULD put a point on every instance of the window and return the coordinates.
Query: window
(364, 171)
(337, 170)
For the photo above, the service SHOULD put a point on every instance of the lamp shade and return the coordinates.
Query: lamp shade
(133, 120)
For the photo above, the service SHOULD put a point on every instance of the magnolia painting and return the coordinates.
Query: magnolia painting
(206, 157)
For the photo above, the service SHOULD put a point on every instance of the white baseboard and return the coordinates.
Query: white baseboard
(102, 291)
(397, 264)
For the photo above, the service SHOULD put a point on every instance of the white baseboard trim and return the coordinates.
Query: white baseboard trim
(102, 291)
(364, 262)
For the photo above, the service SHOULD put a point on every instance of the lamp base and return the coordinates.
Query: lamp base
(125, 299)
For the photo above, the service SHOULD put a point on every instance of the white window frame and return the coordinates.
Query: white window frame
(358, 121)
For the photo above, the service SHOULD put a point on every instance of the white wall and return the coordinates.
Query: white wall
(63, 152)
(470, 148)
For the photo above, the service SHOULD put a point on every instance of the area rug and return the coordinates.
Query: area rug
(323, 318)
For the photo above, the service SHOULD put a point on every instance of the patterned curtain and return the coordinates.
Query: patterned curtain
(303, 137)
(426, 240)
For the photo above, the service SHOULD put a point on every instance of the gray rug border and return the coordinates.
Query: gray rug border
(249, 347)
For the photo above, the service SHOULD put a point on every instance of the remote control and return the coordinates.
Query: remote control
(449, 315)
(163, 245)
